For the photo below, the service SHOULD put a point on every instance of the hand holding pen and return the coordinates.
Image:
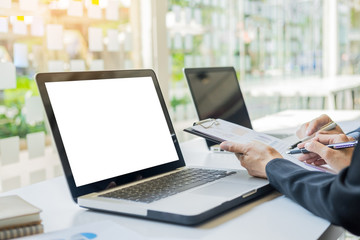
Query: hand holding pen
(329, 126)
(335, 146)
(333, 149)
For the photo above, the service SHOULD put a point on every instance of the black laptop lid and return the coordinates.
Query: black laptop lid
(216, 94)
(110, 127)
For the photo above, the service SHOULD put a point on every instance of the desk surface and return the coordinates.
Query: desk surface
(271, 217)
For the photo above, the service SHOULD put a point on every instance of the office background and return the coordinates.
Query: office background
(274, 45)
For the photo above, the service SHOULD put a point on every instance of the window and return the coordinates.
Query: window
(266, 41)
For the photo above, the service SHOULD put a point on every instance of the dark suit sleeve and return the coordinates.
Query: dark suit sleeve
(355, 134)
(333, 197)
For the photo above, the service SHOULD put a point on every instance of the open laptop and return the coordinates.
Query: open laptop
(120, 154)
(216, 94)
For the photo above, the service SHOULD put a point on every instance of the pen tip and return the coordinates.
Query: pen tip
(294, 145)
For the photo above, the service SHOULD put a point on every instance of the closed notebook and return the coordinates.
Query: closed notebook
(21, 231)
(15, 211)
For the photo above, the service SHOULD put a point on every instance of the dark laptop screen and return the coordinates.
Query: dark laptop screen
(216, 94)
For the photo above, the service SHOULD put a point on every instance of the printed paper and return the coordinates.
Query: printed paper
(5, 3)
(113, 41)
(29, 5)
(9, 149)
(55, 66)
(77, 65)
(36, 144)
(97, 65)
(4, 24)
(34, 110)
(54, 33)
(37, 26)
(21, 55)
(94, 10)
(95, 39)
(19, 26)
(112, 10)
(75, 9)
(8, 75)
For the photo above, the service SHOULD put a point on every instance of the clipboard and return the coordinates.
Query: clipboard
(210, 122)
(219, 130)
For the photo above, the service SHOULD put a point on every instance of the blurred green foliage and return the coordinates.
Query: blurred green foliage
(12, 117)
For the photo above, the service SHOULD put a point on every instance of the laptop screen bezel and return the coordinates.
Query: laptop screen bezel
(77, 191)
(188, 71)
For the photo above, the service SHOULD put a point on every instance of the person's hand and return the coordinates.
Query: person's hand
(253, 156)
(309, 128)
(321, 154)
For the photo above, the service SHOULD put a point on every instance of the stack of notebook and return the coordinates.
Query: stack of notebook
(18, 218)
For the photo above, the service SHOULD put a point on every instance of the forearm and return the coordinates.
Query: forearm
(324, 194)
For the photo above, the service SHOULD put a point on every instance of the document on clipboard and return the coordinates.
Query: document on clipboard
(218, 130)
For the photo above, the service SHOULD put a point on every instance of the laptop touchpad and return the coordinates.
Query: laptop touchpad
(224, 189)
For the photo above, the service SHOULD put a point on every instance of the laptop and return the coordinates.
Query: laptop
(120, 154)
(216, 94)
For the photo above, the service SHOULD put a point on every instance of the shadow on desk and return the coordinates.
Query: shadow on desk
(238, 211)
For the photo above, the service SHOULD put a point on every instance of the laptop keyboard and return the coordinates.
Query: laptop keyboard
(168, 185)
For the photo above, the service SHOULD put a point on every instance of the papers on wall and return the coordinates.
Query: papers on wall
(8, 75)
(187, 15)
(215, 19)
(177, 41)
(94, 10)
(215, 41)
(29, 5)
(102, 230)
(224, 22)
(21, 55)
(197, 16)
(128, 64)
(128, 42)
(54, 34)
(223, 61)
(19, 25)
(55, 66)
(177, 11)
(37, 26)
(36, 144)
(77, 65)
(95, 39)
(4, 24)
(112, 10)
(113, 42)
(9, 149)
(188, 42)
(207, 62)
(170, 61)
(5, 3)
(97, 65)
(247, 63)
(206, 40)
(206, 2)
(34, 110)
(188, 61)
(198, 61)
(75, 8)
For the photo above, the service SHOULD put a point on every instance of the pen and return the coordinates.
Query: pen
(326, 127)
(333, 146)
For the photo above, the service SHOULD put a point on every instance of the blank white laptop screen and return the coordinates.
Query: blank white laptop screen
(100, 121)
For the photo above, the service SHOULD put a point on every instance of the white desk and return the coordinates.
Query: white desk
(326, 88)
(272, 217)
